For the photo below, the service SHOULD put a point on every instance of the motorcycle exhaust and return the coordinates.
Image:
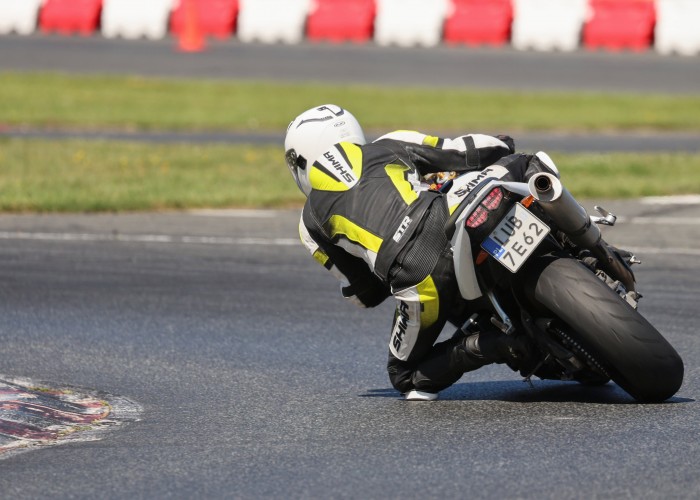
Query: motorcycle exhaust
(572, 219)
(560, 206)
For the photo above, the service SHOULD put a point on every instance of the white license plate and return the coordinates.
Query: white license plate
(515, 237)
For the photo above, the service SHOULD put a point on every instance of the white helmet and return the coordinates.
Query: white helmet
(314, 132)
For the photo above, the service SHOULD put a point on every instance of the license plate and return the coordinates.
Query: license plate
(515, 237)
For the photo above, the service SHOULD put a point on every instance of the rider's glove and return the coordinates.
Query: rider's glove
(365, 294)
(508, 140)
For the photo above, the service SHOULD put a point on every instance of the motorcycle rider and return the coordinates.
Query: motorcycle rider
(372, 220)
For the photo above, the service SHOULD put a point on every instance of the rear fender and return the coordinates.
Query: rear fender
(464, 265)
(463, 198)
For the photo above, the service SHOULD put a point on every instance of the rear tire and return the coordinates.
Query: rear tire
(631, 350)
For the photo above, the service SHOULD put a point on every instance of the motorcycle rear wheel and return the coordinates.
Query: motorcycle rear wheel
(637, 357)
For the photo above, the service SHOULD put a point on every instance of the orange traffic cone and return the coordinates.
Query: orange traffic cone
(191, 36)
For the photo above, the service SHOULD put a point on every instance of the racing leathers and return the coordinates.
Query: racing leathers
(373, 221)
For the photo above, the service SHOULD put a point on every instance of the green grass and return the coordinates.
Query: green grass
(74, 175)
(627, 175)
(77, 176)
(135, 103)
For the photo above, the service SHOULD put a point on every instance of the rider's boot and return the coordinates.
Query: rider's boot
(445, 364)
(449, 360)
(497, 347)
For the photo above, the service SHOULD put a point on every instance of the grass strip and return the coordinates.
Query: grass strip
(88, 176)
(139, 103)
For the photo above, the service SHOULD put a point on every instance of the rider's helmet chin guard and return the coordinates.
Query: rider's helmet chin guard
(314, 132)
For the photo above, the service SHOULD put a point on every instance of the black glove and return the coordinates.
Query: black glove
(509, 142)
(370, 292)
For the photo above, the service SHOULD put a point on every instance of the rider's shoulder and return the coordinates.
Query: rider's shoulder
(412, 136)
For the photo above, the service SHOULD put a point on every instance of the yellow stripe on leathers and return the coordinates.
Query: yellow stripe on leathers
(323, 182)
(430, 301)
(397, 175)
(431, 141)
(317, 254)
(321, 257)
(345, 227)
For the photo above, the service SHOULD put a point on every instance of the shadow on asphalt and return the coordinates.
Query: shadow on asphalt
(520, 392)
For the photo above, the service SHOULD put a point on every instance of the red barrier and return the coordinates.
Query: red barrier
(620, 24)
(215, 17)
(479, 22)
(70, 16)
(341, 20)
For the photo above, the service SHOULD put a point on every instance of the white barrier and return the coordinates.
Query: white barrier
(19, 16)
(677, 27)
(136, 18)
(271, 21)
(548, 24)
(408, 23)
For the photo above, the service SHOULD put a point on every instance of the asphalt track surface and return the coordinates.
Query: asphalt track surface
(256, 380)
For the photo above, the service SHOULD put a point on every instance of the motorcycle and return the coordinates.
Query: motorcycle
(536, 264)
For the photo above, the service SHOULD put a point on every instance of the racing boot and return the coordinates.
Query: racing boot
(444, 365)
(494, 346)
(449, 360)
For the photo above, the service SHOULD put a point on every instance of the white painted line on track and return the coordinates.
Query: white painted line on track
(686, 199)
(663, 221)
(223, 240)
(146, 238)
(234, 213)
(662, 251)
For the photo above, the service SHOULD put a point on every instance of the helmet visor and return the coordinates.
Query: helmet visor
(295, 162)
